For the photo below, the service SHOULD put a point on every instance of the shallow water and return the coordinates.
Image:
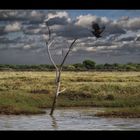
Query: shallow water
(68, 119)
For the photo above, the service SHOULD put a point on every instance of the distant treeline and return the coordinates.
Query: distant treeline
(84, 66)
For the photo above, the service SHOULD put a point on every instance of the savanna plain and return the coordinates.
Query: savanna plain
(29, 92)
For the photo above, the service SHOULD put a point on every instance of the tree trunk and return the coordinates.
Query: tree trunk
(57, 92)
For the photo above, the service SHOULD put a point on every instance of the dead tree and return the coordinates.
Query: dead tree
(97, 33)
(57, 68)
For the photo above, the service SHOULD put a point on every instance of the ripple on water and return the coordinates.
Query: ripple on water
(68, 119)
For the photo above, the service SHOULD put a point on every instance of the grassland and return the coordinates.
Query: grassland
(29, 92)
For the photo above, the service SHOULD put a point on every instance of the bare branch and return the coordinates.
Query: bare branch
(48, 31)
(49, 43)
(50, 56)
(70, 48)
(60, 69)
(60, 91)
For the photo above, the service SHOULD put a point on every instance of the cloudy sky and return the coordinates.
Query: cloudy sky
(23, 34)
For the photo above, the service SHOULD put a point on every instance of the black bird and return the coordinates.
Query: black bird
(97, 30)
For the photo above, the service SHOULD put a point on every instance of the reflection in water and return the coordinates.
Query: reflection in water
(54, 123)
(7, 125)
(68, 119)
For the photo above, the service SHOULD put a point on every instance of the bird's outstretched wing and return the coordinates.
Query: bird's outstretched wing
(102, 29)
(97, 30)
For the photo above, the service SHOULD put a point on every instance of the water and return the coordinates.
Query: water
(68, 119)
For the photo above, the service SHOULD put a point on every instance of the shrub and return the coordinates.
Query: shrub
(109, 97)
(89, 64)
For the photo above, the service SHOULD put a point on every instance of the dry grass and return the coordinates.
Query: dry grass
(22, 92)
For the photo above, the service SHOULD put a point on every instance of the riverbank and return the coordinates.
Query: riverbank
(29, 92)
(125, 112)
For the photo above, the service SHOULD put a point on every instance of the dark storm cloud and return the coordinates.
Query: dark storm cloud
(82, 27)
(68, 28)
(16, 20)
(73, 31)
(111, 27)
(57, 21)
(63, 28)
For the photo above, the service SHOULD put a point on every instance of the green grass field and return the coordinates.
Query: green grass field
(29, 92)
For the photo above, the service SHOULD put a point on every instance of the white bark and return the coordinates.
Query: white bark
(58, 70)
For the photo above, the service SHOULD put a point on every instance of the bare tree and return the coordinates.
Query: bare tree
(57, 68)
(97, 33)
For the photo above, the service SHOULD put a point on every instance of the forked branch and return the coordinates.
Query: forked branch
(70, 48)
(58, 69)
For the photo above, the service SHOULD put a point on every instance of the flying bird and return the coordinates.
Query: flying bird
(97, 30)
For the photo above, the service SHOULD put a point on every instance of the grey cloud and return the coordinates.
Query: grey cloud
(13, 27)
(32, 46)
(115, 41)
(14, 15)
(21, 15)
(5, 40)
(129, 23)
(130, 47)
(35, 21)
(2, 32)
(35, 31)
(8, 15)
(57, 21)
(66, 27)
(73, 31)
(21, 46)
(21, 57)
(130, 38)
(123, 49)
(108, 47)
(138, 38)
(31, 29)
(11, 46)
(113, 29)
(26, 42)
